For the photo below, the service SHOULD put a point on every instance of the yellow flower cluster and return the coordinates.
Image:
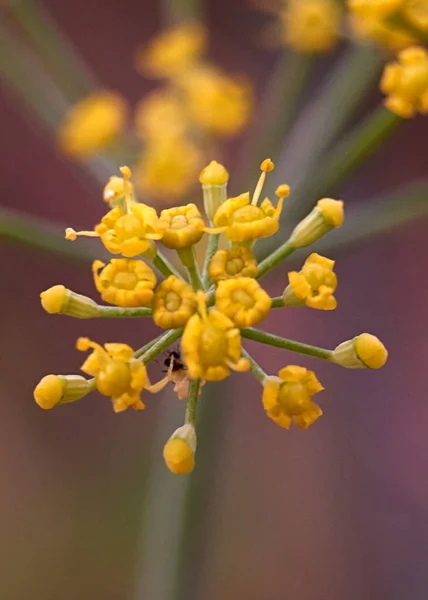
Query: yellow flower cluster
(175, 123)
(405, 82)
(212, 313)
(394, 24)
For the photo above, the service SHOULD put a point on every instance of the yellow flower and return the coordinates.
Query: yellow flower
(124, 282)
(185, 226)
(406, 83)
(53, 390)
(168, 169)
(242, 220)
(212, 345)
(58, 300)
(218, 104)
(311, 26)
(288, 398)
(380, 31)
(179, 451)
(416, 13)
(314, 285)
(242, 300)
(172, 51)
(239, 261)
(92, 124)
(365, 351)
(130, 232)
(376, 8)
(116, 373)
(161, 115)
(327, 214)
(174, 303)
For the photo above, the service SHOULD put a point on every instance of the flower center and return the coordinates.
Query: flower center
(247, 214)
(129, 226)
(172, 301)
(179, 222)
(243, 298)
(213, 346)
(125, 280)
(294, 399)
(114, 379)
(234, 266)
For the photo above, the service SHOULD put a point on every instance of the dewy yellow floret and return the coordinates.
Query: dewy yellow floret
(184, 226)
(238, 261)
(174, 303)
(287, 399)
(314, 285)
(124, 282)
(211, 345)
(406, 83)
(242, 300)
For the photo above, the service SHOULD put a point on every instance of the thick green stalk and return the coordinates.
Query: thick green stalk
(187, 257)
(164, 266)
(280, 342)
(212, 248)
(277, 302)
(117, 312)
(256, 369)
(192, 402)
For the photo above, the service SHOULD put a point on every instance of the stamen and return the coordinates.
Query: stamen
(240, 366)
(215, 230)
(201, 300)
(266, 166)
(71, 234)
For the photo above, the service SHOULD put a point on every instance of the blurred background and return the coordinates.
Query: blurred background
(87, 507)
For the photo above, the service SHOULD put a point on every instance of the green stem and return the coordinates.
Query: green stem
(69, 72)
(116, 311)
(280, 342)
(276, 114)
(164, 266)
(273, 259)
(146, 347)
(277, 302)
(357, 147)
(192, 402)
(187, 257)
(159, 345)
(212, 248)
(256, 369)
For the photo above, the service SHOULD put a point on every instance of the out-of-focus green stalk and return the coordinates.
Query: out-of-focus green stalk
(58, 55)
(256, 369)
(179, 11)
(275, 115)
(41, 235)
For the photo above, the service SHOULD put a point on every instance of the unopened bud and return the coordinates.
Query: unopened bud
(364, 351)
(58, 300)
(214, 178)
(60, 389)
(179, 451)
(327, 215)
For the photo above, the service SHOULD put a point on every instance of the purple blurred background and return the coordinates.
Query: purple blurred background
(339, 511)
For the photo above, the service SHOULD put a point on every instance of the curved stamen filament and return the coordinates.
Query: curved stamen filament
(266, 166)
(71, 234)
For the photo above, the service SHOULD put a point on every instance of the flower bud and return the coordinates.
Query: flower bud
(59, 300)
(327, 214)
(364, 351)
(60, 389)
(214, 178)
(179, 451)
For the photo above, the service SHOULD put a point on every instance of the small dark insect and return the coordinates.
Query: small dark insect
(173, 362)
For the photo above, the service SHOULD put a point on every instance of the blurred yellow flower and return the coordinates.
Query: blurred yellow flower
(311, 26)
(160, 115)
(172, 51)
(168, 169)
(92, 124)
(405, 82)
(218, 104)
(124, 282)
(287, 399)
